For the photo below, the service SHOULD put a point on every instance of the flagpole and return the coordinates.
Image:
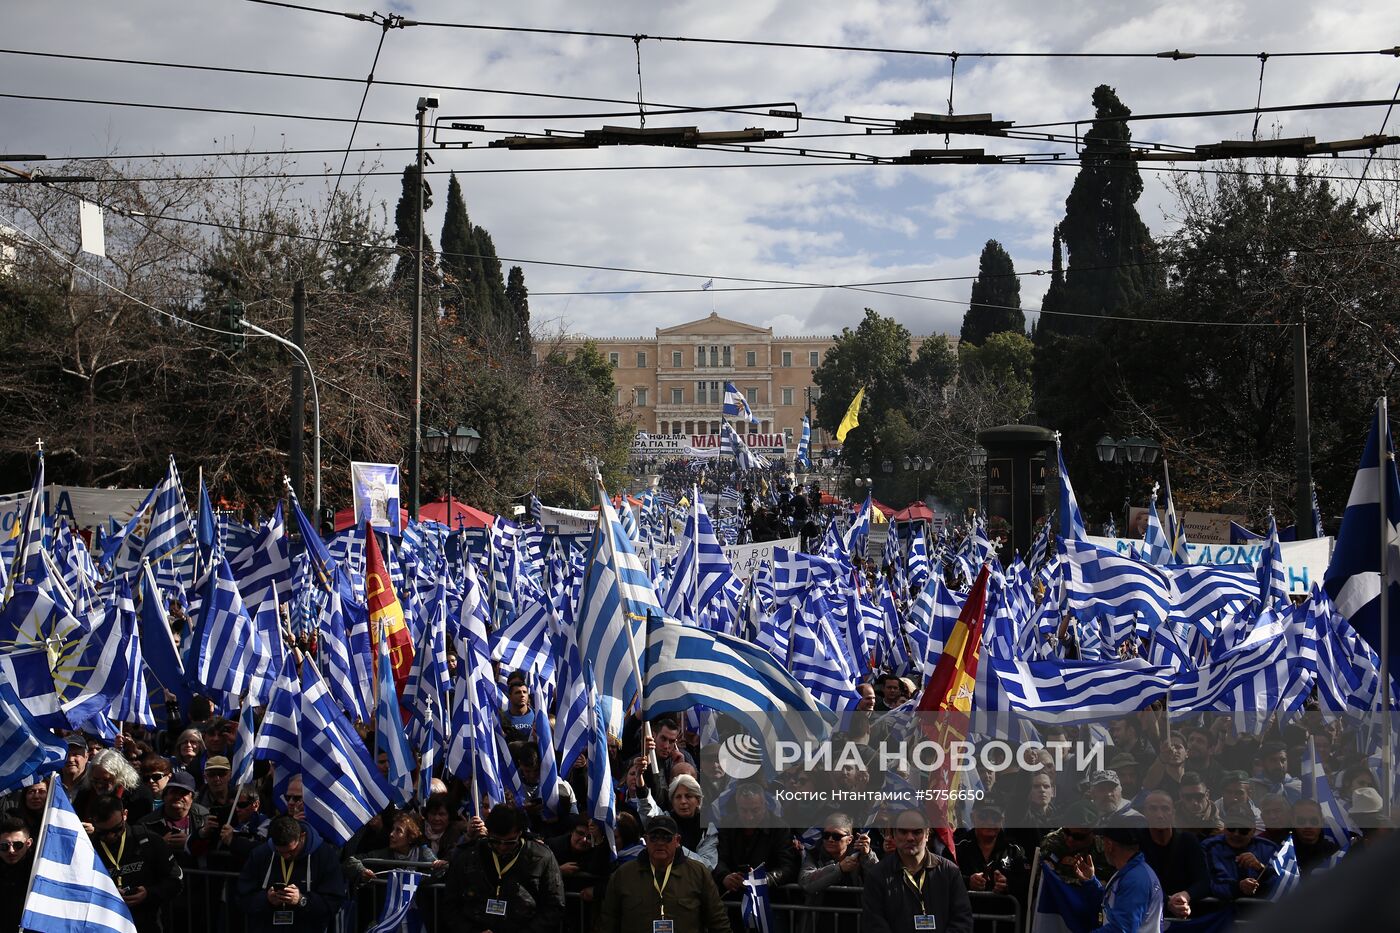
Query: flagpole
(1386, 462)
(39, 843)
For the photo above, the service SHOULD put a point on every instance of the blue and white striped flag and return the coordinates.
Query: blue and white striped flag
(27, 750)
(757, 909)
(1176, 531)
(614, 606)
(804, 445)
(241, 764)
(133, 703)
(702, 572)
(1100, 581)
(226, 647)
(265, 565)
(602, 796)
(27, 563)
(1284, 865)
(1253, 678)
(389, 732)
(70, 890)
(1071, 519)
(744, 458)
(1154, 539)
(549, 791)
(1202, 590)
(572, 719)
(736, 406)
(400, 913)
(1273, 584)
(1353, 579)
(1336, 819)
(344, 789)
(334, 656)
(277, 739)
(1078, 691)
(170, 518)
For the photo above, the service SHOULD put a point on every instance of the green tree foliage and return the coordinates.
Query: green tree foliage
(1111, 270)
(461, 266)
(876, 356)
(406, 226)
(1261, 251)
(518, 304)
(996, 297)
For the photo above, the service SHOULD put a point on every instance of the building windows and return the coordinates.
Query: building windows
(751, 359)
(787, 396)
(814, 358)
(752, 395)
(699, 357)
(675, 359)
(641, 396)
(642, 359)
(787, 359)
(716, 395)
(728, 356)
(677, 396)
(714, 357)
(787, 436)
(613, 359)
(701, 392)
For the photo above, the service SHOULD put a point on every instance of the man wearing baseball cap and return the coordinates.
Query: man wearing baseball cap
(1107, 793)
(662, 891)
(179, 818)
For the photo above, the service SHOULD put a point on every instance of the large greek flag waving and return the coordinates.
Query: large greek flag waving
(71, 891)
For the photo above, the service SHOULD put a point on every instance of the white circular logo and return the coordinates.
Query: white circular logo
(740, 757)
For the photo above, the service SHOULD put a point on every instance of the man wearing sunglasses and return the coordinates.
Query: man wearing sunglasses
(662, 890)
(505, 882)
(1238, 858)
(912, 889)
(143, 867)
(16, 861)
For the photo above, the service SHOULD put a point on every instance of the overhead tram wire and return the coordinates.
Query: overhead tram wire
(1171, 55)
(1385, 120)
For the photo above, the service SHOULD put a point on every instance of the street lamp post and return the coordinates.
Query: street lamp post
(1128, 452)
(315, 408)
(461, 440)
(977, 459)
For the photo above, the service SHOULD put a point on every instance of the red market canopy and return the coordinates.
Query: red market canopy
(463, 515)
(914, 512)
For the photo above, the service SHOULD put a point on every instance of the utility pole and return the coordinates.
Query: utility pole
(295, 447)
(1302, 432)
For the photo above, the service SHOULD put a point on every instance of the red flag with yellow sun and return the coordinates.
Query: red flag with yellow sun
(385, 613)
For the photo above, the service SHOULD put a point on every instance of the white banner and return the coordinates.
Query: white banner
(568, 521)
(83, 506)
(704, 446)
(1304, 562)
(744, 558)
(374, 491)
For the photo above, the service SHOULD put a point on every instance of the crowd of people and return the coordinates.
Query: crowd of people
(1177, 820)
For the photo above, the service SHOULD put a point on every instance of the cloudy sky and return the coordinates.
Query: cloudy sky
(707, 214)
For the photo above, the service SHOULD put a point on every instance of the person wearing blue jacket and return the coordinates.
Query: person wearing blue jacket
(1131, 902)
(1238, 859)
(294, 884)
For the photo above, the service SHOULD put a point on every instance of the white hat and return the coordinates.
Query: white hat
(1365, 800)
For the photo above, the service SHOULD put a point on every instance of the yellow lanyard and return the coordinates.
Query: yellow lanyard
(116, 860)
(286, 869)
(500, 872)
(917, 885)
(661, 888)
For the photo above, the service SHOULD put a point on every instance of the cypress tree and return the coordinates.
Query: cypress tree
(996, 298)
(406, 231)
(518, 299)
(460, 264)
(491, 292)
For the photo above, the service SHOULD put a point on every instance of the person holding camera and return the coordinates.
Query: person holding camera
(291, 885)
(140, 863)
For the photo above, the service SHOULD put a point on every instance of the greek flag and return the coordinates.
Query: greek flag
(1203, 590)
(1353, 579)
(1273, 585)
(90, 671)
(736, 406)
(1316, 514)
(1348, 669)
(702, 575)
(28, 751)
(70, 890)
(335, 660)
(241, 767)
(1336, 820)
(265, 565)
(1100, 581)
(919, 570)
(614, 606)
(707, 285)
(602, 796)
(1176, 532)
(1071, 519)
(688, 667)
(133, 702)
(1253, 678)
(804, 451)
(1154, 539)
(344, 789)
(550, 794)
(1284, 865)
(399, 913)
(322, 565)
(27, 566)
(389, 732)
(757, 911)
(573, 719)
(170, 519)
(744, 458)
(226, 648)
(1077, 691)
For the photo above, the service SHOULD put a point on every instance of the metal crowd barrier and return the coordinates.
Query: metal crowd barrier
(207, 905)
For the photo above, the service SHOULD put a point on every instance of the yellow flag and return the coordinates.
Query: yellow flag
(852, 418)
